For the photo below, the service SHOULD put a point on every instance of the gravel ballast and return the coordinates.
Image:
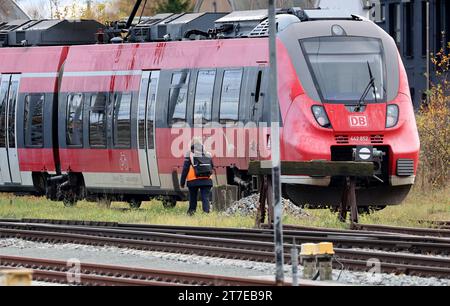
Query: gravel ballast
(248, 206)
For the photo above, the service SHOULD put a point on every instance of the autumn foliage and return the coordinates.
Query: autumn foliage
(112, 10)
(433, 121)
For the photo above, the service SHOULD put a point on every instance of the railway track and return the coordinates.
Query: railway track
(238, 247)
(55, 271)
(340, 238)
(433, 232)
(437, 224)
(439, 228)
(186, 234)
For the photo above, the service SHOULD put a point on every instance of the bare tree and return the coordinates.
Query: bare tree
(55, 9)
(35, 13)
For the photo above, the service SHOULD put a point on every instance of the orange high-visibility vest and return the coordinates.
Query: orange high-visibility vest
(191, 174)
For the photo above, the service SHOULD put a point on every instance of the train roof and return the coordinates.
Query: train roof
(161, 27)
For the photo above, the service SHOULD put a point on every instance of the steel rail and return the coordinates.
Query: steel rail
(437, 224)
(365, 229)
(248, 250)
(398, 263)
(98, 274)
(433, 232)
(234, 238)
(48, 276)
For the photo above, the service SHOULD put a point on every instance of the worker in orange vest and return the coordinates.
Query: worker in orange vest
(197, 171)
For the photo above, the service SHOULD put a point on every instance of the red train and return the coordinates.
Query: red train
(113, 121)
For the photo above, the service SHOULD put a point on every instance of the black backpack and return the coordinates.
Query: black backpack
(202, 166)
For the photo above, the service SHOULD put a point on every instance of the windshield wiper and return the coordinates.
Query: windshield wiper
(373, 82)
(370, 85)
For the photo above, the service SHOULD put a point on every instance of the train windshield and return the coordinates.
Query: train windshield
(342, 67)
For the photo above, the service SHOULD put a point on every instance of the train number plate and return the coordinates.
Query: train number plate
(358, 121)
(362, 139)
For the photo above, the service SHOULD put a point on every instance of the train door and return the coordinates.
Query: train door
(146, 128)
(9, 161)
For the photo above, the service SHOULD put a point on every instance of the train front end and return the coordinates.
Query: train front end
(353, 104)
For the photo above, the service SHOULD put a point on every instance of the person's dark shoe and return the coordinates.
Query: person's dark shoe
(190, 213)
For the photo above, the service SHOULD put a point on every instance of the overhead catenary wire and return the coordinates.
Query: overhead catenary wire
(142, 12)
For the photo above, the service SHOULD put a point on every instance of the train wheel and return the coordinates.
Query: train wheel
(135, 204)
(169, 203)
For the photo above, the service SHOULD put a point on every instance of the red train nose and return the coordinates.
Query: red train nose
(371, 118)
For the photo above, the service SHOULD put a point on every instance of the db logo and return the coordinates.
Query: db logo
(358, 120)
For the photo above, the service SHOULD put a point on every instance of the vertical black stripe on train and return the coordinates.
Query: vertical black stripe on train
(54, 131)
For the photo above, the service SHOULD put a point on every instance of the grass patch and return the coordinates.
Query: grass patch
(432, 205)
(151, 212)
(418, 206)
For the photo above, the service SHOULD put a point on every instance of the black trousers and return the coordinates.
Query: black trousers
(193, 196)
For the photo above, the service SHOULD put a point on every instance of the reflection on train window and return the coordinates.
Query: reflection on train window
(342, 67)
(3, 106)
(97, 120)
(142, 110)
(74, 129)
(33, 120)
(178, 97)
(204, 96)
(151, 104)
(229, 100)
(13, 89)
(122, 120)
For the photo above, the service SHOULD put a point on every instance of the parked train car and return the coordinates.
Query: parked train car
(113, 121)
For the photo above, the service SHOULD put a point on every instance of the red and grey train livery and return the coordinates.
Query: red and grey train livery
(107, 120)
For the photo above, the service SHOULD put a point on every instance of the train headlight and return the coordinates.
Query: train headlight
(321, 116)
(392, 115)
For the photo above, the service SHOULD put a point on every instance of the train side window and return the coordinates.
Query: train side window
(142, 102)
(74, 128)
(178, 97)
(3, 105)
(229, 100)
(13, 90)
(151, 107)
(122, 120)
(204, 96)
(97, 120)
(33, 120)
